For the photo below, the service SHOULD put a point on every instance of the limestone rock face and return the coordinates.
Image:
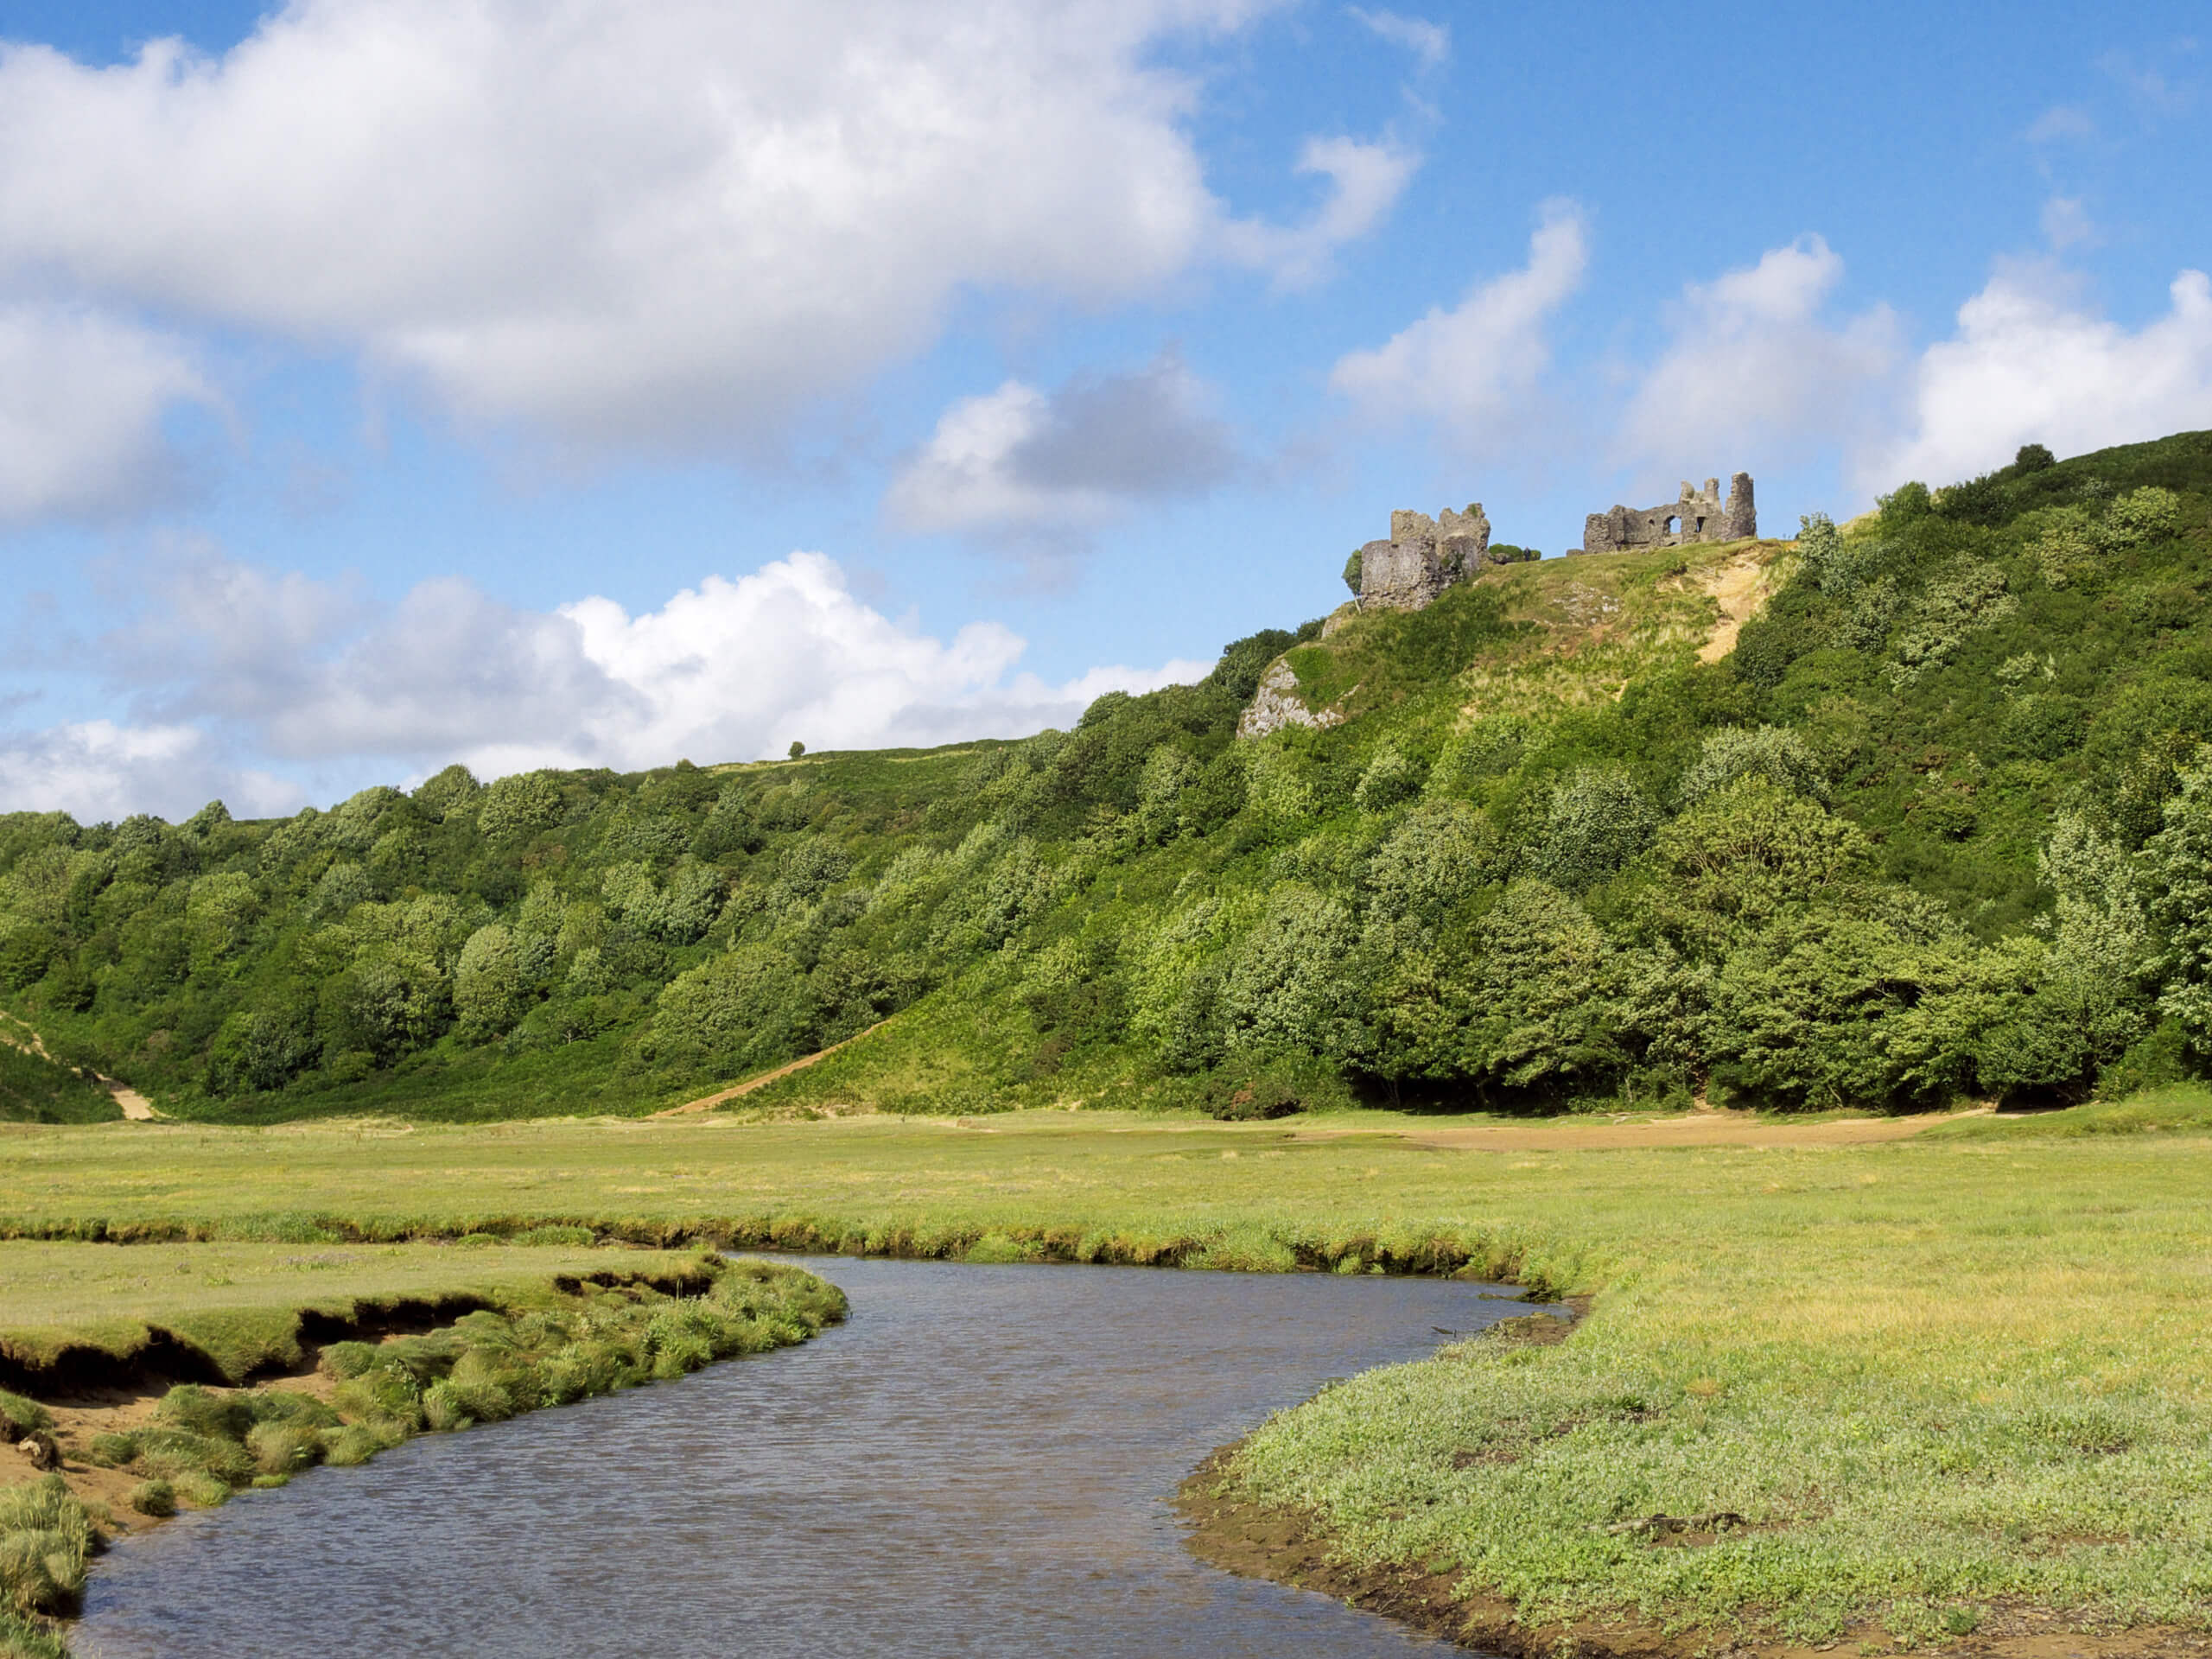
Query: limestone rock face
(1695, 516)
(1277, 704)
(1423, 557)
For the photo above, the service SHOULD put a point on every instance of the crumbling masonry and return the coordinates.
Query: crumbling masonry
(1698, 516)
(1423, 557)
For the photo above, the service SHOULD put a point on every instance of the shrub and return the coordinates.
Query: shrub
(1781, 757)
(1391, 778)
(2149, 514)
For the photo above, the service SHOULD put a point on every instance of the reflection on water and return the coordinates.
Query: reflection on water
(980, 1461)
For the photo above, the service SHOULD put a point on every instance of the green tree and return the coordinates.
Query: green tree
(219, 915)
(2179, 861)
(1597, 821)
(487, 983)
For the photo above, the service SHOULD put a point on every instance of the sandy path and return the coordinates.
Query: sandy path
(708, 1103)
(1694, 1129)
(135, 1106)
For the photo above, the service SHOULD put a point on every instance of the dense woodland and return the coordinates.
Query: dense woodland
(1939, 826)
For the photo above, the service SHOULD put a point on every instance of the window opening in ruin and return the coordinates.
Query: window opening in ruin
(1673, 526)
(1698, 527)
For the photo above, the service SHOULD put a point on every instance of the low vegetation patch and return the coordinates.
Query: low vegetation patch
(487, 1366)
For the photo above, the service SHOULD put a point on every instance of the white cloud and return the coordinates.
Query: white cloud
(1755, 364)
(82, 396)
(1021, 460)
(1474, 370)
(665, 223)
(2027, 364)
(95, 769)
(1430, 43)
(235, 667)
(1365, 180)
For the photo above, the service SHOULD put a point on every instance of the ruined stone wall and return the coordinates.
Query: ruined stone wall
(1423, 557)
(1697, 515)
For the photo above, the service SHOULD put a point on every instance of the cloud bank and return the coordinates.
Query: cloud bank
(666, 227)
(234, 668)
(2027, 365)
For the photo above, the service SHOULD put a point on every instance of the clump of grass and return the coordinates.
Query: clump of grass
(154, 1498)
(26, 1639)
(25, 1416)
(567, 1238)
(45, 1536)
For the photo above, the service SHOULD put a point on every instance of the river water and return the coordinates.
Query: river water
(980, 1461)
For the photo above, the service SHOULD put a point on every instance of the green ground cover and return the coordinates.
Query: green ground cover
(240, 1305)
(1936, 1375)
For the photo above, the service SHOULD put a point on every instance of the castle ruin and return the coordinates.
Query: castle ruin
(1698, 516)
(1423, 557)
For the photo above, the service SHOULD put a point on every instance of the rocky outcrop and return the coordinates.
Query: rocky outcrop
(1695, 516)
(1277, 704)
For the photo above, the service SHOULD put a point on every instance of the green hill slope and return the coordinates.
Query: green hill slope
(1936, 825)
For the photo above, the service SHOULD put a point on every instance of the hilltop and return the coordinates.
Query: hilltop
(1881, 816)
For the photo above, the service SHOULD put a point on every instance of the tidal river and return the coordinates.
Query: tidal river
(980, 1461)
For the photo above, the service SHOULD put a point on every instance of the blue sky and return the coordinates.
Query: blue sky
(387, 383)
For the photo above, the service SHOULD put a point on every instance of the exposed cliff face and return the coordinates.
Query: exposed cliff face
(1277, 704)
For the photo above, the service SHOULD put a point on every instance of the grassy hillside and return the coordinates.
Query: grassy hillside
(1938, 824)
(34, 1089)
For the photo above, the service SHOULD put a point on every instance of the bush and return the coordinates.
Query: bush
(1781, 757)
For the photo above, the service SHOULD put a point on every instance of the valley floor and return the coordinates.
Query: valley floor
(1920, 1383)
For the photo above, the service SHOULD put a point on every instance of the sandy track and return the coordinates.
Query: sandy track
(135, 1106)
(708, 1103)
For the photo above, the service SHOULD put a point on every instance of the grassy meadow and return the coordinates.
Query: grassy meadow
(1940, 1378)
(241, 1305)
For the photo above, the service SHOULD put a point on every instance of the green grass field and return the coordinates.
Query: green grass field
(240, 1303)
(1940, 1378)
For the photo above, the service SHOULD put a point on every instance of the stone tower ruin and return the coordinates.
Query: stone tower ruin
(1423, 557)
(1698, 516)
